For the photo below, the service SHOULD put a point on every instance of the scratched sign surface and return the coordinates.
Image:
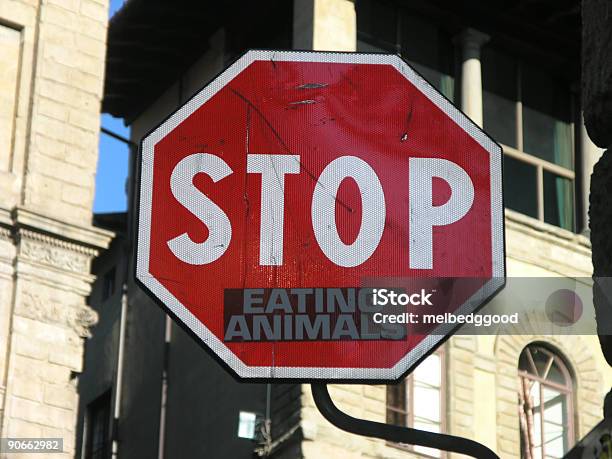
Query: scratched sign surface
(275, 200)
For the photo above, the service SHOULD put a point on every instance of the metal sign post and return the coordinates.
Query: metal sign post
(397, 434)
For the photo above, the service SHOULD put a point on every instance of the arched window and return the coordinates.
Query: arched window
(545, 404)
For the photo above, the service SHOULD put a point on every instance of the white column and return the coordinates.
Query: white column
(470, 41)
(324, 25)
(589, 155)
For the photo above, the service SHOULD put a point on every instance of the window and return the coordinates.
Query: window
(98, 428)
(383, 27)
(545, 404)
(108, 284)
(530, 113)
(418, 401)
(10, 58)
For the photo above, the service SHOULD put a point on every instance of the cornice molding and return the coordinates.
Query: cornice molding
(46, 241)
(26, 237)
(90, 236)
(5, 233)
(47, 251)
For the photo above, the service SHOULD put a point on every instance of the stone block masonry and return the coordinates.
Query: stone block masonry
(48, 162)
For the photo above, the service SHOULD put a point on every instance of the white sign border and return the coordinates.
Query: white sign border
(311, 373)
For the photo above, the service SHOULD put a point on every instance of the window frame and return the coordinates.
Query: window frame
(7, 152)
(104, 402)
(568, 390)
(408, 386)
(542, 165)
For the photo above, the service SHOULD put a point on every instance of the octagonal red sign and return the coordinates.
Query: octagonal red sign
(297, 210)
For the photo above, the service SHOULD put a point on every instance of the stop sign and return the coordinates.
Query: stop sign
(297, 210)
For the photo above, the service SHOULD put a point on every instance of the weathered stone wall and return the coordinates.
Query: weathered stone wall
(53, 82)
(65, 119)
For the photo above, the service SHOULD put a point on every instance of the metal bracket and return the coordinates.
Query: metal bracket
(393, 433)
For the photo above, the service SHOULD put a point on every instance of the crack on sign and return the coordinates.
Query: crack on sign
(304, 102)
(273, 363)
(348, 80)
(165, 279)
(312, 86)
(176, 283)
(272, 255)
(272, 60)
(285, 147)
(245, 198)
(404, 136)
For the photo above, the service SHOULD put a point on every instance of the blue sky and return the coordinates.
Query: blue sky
(112, 169)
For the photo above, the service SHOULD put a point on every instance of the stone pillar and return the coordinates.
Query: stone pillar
(48, 159)
(469, 42)
(324, 25)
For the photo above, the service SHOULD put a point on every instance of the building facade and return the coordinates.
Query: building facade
(51, 78)
(513, 67)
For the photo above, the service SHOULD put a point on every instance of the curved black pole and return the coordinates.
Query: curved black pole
(393, 433)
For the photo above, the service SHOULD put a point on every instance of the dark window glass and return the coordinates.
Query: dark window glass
(421, 42)
(546, 117)
(558, 201)
(520, 186)
(377, 23)
(98, 423)
(108, 284)
(499, 80)
(557, 375)
(382, 26)
(397, 404)
(430, 51)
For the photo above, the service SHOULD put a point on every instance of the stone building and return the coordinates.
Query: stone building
(51, 79)
(513, 67)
